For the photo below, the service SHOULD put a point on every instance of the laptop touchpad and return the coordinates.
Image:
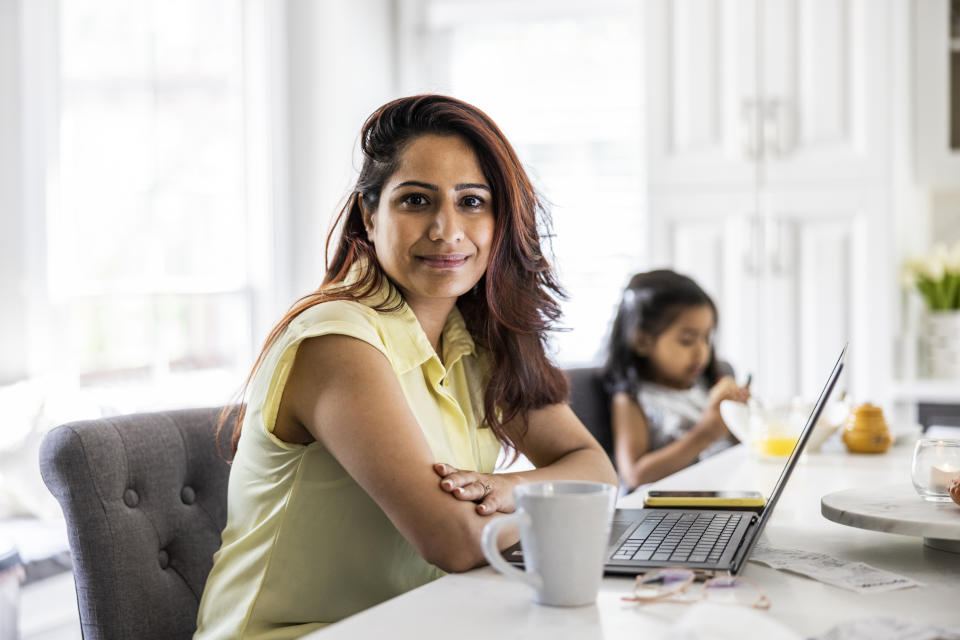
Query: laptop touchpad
(617, 529)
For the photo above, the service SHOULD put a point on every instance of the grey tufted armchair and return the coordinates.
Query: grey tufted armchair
(145, 500)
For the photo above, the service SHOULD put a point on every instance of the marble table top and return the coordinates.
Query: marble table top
(893, 509)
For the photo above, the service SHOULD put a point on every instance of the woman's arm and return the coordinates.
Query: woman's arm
(344, 393)
(556, 442)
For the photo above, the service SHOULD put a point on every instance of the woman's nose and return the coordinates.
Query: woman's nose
(446, 225)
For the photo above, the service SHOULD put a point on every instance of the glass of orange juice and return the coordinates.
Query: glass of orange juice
(774, 433)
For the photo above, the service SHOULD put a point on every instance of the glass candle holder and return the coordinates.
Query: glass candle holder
(936, 462)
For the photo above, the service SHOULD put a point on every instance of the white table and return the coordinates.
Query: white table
(482, 604)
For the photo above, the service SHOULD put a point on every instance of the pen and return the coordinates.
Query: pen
(749, 380)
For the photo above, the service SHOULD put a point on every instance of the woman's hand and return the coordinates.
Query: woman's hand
(491, 492)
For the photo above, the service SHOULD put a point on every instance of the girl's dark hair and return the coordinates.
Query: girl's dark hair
(650, 304)
(513, 305)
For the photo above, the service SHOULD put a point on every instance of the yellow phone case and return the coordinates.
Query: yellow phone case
(692, 501)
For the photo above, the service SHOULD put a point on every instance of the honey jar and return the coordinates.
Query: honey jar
(866, 431)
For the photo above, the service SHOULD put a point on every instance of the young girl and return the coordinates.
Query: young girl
(664, 379)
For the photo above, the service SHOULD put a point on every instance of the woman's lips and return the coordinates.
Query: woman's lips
(444, 261)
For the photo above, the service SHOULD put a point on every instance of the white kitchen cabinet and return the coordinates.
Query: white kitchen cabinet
(768, 161)
(700, 87)
(936, 92)
(776, 92)
(791, 286)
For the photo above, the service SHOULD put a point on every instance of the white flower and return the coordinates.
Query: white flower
(912, 268)
(953, 260)
(935, 276)
(937, 262)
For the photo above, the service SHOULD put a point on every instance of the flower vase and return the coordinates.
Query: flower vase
(943, 344)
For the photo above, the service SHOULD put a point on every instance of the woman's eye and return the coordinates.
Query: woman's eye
(415, 199)
(472, 202)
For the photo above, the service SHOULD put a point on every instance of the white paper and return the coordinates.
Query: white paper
(854, 576)
(888, 629)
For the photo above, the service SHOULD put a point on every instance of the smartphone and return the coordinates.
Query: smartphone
(707, 499)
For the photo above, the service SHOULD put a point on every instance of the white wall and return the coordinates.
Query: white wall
(12, 319)
(27, 92)
(340, 68)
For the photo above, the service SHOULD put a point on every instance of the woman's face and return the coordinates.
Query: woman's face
(679, 355)
(433, 227)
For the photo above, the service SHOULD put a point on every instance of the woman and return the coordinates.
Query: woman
(378, 407)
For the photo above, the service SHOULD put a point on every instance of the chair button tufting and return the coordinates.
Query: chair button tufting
(131, 498)
(188, 495)
(164, 559)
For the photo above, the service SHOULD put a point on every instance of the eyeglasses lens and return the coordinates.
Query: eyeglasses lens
(731, 590)
(661, 583)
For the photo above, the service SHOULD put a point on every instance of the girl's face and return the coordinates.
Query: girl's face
(681, 353)
(433, 227)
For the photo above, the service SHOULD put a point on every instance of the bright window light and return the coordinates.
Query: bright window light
(147, 243)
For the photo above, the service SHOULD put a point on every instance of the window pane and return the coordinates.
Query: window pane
(148, 245)
(198, 38)
(140, 337)
(105, 40)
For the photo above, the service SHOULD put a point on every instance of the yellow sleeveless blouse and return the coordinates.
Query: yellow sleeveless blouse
(304, 545)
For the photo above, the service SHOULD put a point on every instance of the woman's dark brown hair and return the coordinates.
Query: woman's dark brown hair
(513, 305)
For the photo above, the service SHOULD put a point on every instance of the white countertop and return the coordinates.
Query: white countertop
(482, 604)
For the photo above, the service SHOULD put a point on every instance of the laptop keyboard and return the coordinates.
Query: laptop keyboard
(679, 537)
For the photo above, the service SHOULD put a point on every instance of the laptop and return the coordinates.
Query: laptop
(709, 541)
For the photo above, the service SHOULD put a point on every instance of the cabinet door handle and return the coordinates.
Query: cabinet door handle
(780, 263)
(751, 143)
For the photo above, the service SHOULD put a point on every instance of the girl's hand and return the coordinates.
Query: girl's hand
(727, 388)
(491, 492)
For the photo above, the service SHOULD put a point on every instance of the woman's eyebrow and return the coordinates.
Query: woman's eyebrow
(417, 183)
(433, 187)
(471, 185)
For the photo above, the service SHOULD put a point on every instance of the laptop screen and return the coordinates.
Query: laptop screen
(797, 450)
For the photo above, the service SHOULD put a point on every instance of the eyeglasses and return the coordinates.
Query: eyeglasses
(670, 585)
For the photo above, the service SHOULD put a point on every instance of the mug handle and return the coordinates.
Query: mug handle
(488, 541)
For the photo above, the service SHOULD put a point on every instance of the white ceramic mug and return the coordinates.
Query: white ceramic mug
(564, 531)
